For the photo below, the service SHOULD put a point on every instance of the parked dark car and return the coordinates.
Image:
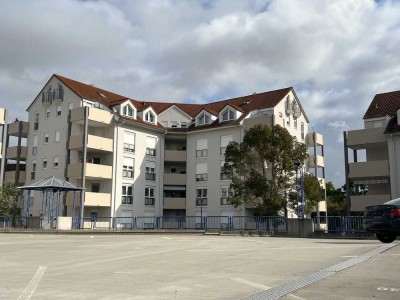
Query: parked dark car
(383, 220)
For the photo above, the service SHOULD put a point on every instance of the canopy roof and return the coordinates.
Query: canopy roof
(51, 183)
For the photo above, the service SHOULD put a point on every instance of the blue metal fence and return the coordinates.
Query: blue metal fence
(338, 224)
(276, 224)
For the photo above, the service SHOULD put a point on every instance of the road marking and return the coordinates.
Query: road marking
(33, 284)
(167, 238)
(123, 272)
(251, 283)
(221, 250)
(388, 289)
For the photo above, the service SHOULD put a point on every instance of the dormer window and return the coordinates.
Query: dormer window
(128, 111)
(204, 119)
(149, 117)
(228, 115)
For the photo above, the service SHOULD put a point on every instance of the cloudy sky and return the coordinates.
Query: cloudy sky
(336, 54)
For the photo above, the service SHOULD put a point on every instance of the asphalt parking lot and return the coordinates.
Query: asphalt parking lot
(189, 267)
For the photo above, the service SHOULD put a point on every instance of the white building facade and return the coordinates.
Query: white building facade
(149, 159)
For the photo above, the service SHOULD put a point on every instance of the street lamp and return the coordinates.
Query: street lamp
(299, 188)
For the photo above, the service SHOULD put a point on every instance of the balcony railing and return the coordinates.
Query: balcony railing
(47, 98)
(58, 95)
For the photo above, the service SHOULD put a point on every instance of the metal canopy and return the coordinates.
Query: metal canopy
(51, 183)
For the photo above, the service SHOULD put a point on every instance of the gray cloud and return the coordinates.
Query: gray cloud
(337, 54)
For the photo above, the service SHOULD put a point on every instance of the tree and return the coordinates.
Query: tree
(313, 193)
(336, 200)
(263, 168)
(8, 198)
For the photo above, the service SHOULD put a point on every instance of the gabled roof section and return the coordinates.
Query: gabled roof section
(385, 104)
(392, 126)
(233, 106)
(178, 108)
(91, 92)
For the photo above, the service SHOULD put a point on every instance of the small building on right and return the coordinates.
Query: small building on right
(378, 146)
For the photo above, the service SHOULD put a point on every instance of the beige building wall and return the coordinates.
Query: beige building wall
(138, 208)
(52, 149)
(214, 182)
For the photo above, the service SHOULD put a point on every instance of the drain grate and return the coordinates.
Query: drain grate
(289, 287)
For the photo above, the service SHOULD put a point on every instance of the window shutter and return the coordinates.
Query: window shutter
(201, 144)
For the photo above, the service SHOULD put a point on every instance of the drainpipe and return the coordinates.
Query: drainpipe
(83, 182)
(346, 165)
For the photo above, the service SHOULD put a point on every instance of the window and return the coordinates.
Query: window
(33, 172)
(201, 197)
(201, 148)
(225, 140)
(95, 188)
(302, 130)
(127, 194)
(46, 138)
(204, 119)
(44, 163)
(129, 141)
(36, 121)
(47, 113)
(57, 136)
(228, 115)
(151, 146)
(150, 171)
(174, 124)
(149, 117)
(225, 193)
(149, 196)
(288, 122)
(183, 124)
(295, 123)
(280, 115)
(127, 110)
(128, 167)
(226, 172)
(55, 162)
(58, 111)
(201, 172)
(34, 148)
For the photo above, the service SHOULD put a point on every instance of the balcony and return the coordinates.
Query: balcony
(93, 171)
(358, 203)
(311, 162)
(58, 95)
(262, 119)
(174, 179)
(10, 176)
(47, 98)
(12, 152)
(364, 138)
(378, 168)
(319, 138)
(91, 199)
(174, 203)
(13, 129)
(95, 143)
(97, 117)
(175, 155)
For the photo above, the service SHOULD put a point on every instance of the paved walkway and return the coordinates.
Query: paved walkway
(188, 267)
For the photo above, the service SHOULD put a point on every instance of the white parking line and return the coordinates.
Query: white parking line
(33, 284)
(221, 250)
(251, 283)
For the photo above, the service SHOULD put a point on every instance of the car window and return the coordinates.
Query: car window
(394, 201)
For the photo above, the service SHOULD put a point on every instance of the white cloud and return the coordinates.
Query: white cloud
(337, 54)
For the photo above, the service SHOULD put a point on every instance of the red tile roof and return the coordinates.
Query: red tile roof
(244, 104)
(385, 104)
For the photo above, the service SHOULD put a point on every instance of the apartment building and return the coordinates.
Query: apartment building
(140, 158)
(379, 142)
